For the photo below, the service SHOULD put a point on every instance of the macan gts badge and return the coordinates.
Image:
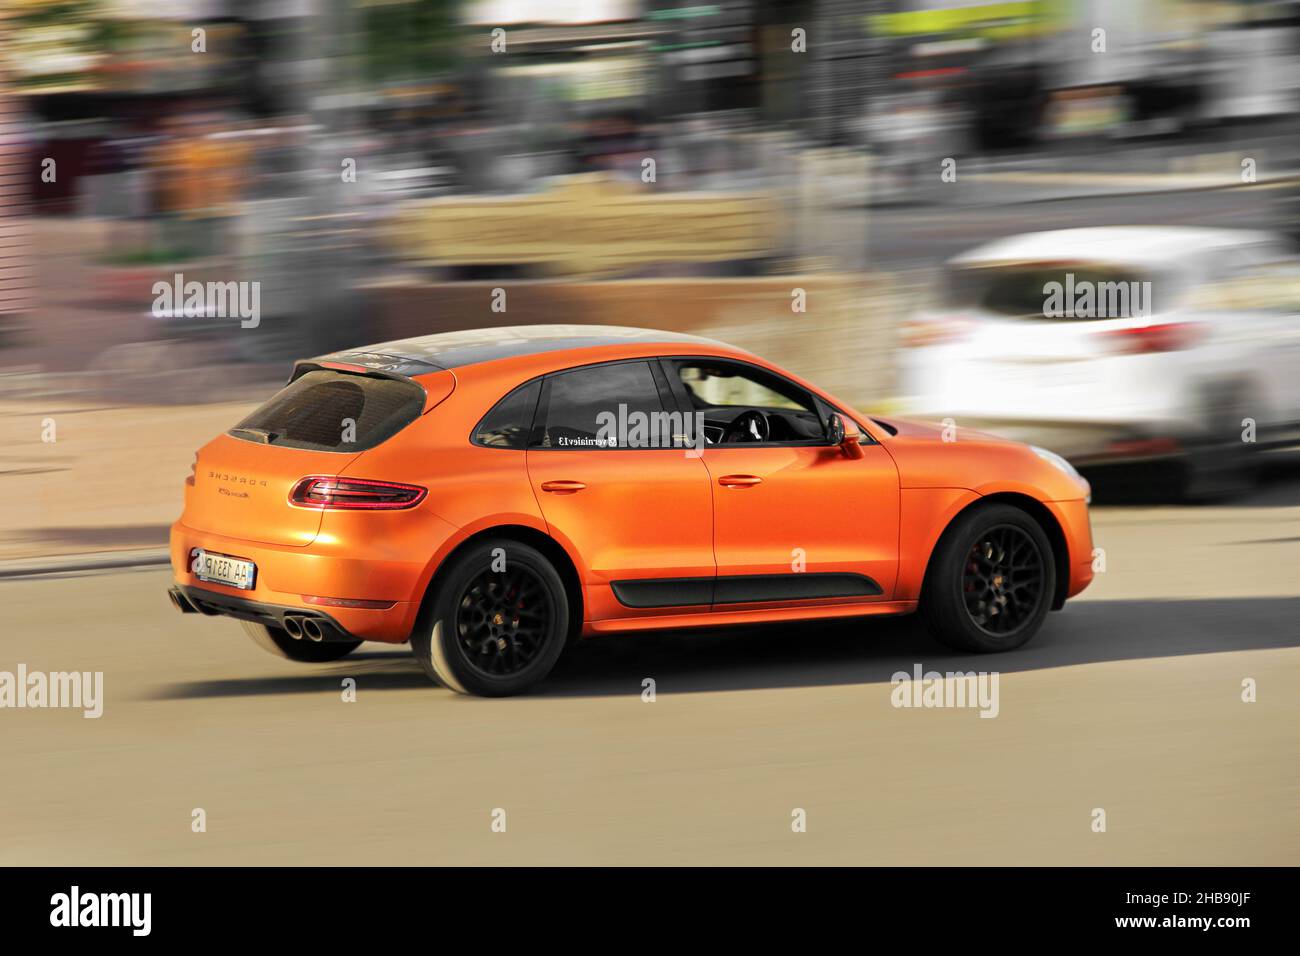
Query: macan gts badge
(492, 496)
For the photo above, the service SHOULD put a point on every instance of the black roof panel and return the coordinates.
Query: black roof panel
(447, 350)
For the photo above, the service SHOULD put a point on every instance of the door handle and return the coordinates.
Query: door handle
(739, 481)
(563, 487)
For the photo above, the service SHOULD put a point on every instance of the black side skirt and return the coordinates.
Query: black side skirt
(742, 589)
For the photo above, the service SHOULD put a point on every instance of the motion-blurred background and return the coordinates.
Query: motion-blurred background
(855, 190)
(798, 178)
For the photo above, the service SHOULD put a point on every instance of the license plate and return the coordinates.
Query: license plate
(222, 569)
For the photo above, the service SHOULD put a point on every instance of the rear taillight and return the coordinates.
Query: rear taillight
(1164, 337)
(354, 494)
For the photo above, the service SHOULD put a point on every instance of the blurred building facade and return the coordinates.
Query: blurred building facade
(216, 136)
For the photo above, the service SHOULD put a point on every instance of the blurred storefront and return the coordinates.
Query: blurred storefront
(104, 81)
(16, 271)
(660, 147)
(1025, 72)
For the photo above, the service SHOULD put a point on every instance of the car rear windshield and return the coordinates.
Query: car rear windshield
(1054, 291)
(334, 411)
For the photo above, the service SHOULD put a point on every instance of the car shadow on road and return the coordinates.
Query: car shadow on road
(865, 651)
(387, 669)
(872, 650)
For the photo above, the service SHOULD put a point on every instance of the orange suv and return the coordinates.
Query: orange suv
(493, 495)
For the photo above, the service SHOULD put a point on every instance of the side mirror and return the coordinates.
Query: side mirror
(849, 440)
(835, 429)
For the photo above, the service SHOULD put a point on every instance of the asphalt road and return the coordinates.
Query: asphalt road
(1128, 701)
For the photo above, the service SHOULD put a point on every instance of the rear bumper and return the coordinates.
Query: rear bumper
(299, 622)
(287, 575)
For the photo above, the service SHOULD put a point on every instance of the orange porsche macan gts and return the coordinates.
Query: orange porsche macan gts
(492, 496)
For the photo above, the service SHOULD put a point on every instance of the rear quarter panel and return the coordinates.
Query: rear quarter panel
(471, 488)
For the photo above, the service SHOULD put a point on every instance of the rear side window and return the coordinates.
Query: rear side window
(1060, 292)
(588, 407)
(334, 411)
(508, 423)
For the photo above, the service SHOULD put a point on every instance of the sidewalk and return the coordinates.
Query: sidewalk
(112, 480)
(1093, 168)
(1027, 185)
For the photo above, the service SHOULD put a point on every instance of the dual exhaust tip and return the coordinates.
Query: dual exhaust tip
(300, 627)
(296, 626)
(181, 602)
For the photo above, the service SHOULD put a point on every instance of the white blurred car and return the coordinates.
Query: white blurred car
(1118, 344)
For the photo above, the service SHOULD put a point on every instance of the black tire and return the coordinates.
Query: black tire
(493, 633)
(275, 640)
(990, 581)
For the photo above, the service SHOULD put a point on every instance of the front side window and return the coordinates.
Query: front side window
(741, 404)
(603, 406)
(1272, 287)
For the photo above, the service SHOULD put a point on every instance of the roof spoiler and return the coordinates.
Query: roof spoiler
(432, 396)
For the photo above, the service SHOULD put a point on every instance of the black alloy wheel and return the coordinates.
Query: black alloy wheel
(991, 580)
(495, 619)
(503, 620)
(1003, 580)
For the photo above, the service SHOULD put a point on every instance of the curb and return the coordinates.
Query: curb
(1154, 185)
(81, 563)
(1068, 192)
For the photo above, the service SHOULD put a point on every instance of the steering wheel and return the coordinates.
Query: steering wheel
(750, 426)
